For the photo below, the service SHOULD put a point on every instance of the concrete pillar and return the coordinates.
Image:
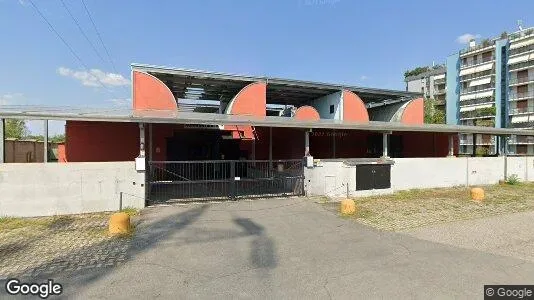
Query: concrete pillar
(141, 140)
(307, 142)
(271, 146)
(150, 139)
(451, 145)
(2, 141)
(385, 145)
(45, 142)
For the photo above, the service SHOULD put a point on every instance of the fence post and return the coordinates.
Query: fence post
(232, 180)
(120, 201)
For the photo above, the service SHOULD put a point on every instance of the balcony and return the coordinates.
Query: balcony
(481, 113)
(439, 81)
(522, 125)
(521, 34)
(522, 110)
(476, 101)
(521, 96)
(485, 44)
(520, 66)
(521, 139)
(520, 80)
(440, 91)
(481, 140)
(477, 62)
(524, 49)
(490, 72)
(477, 88)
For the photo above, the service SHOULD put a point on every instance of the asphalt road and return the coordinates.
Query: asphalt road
(287, 249)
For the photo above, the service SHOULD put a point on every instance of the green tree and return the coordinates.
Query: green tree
(15, 128)
(433, 115)
(416, 71)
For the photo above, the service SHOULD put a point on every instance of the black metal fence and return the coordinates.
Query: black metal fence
(223, 179)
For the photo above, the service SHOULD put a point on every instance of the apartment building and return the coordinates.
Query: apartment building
(491, 83)
(430, 83)
(521, 88)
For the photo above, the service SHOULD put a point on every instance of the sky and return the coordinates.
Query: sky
(364, 43)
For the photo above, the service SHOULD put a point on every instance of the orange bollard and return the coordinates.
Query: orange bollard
(119, 223)
(477, 194)
(347, 207)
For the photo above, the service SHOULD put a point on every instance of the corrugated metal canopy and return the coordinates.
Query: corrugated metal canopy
(205, 85)
(175, 117)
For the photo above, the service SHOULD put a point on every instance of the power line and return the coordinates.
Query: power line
(82, 31)
(99, 37)
(51, 27)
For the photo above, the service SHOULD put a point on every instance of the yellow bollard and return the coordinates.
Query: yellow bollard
(347, 207)
(119, 223)
(477, 194)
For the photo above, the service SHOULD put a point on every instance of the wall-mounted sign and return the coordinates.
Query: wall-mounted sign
(199, 126)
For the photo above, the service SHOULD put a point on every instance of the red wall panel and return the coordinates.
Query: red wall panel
(101, 141)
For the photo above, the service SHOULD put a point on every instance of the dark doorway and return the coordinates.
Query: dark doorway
(201, 145)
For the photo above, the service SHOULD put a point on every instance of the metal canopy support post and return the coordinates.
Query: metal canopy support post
(307, 142)
(271, 146)
(451, 145)
(45, 142)
(2, 141)
(150, 139)
(385, 145)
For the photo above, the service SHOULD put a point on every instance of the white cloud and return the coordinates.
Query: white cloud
(122, 102)
(23, 2)
(466, 37)
(363, 77)
(11, 99)
(94, 77)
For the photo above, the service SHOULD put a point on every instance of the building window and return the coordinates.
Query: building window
(332, 109)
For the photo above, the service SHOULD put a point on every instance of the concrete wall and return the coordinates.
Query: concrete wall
(322, 105)
(26, 151)
(28, 190)
(330, 178)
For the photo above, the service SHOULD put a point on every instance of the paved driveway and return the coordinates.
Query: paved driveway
(287, 248)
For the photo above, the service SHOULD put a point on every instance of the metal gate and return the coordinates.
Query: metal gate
(223, 179)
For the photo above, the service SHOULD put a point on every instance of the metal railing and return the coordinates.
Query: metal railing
(484, 44)
(521, 139)
(485, 100)
(522, 110)
(521, 79)
(473, 63)
(521, 65)
(515, 96)
(439, 81)
(223, 179)
(521, 34)
(477, 88)
(520, 50)
(477, 75)
(440, 91)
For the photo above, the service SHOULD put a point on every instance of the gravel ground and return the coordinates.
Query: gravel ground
(37, 246)
(416, 208)
(509, 235)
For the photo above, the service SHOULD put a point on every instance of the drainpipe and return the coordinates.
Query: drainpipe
(506, 158)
